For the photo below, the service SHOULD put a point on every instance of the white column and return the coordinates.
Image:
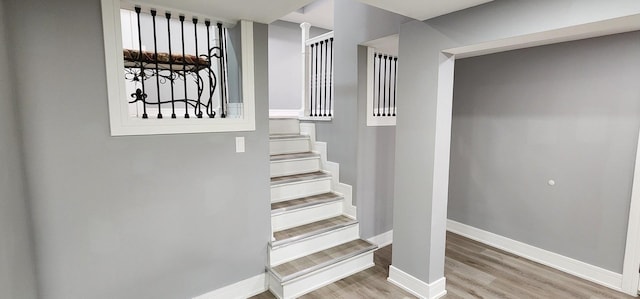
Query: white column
(305, 110)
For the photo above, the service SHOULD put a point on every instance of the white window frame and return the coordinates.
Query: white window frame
(123, 124)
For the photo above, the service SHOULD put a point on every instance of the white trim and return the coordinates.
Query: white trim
(319, 38)
(574, 267)
(288, 113)
(334, 168)
(317, 118)
(306, 63)
(370, 83)
(382, 239)
(242, 289)
(630, 275)
(122, 124)
(588, 30)
(248, 75)
(415, 286)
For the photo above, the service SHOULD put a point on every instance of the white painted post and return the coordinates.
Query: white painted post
(304, 108)
(630, 276)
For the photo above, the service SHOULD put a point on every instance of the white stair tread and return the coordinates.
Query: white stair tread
(319, 260)
(303, 202)
(295, 156)
(310, 176)
(298, 233)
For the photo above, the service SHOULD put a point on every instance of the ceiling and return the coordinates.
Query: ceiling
(386, 45)
(318, 13)
(424, 9)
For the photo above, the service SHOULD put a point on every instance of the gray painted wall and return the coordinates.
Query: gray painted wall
(171, 216)
(17, 267)
(376, 161)
(568, 112)
(419, 218)
(363, 161)
(285, 64)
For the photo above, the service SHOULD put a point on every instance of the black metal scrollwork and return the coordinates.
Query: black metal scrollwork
(174, 68)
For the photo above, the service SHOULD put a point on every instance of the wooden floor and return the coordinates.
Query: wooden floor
(473, 270)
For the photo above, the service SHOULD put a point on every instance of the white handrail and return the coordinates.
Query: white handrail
(319, 38)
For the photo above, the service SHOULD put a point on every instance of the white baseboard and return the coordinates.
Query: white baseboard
(240, 290)
(574, 267)
(382, 239)
(415, 286)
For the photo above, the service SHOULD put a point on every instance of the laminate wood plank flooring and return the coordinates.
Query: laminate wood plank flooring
(293, 156)
(299, 177)
(321, 225)
(304, 201)
(473, 270)
(288, 136)
(321, 257)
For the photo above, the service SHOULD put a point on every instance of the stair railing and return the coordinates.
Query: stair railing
(317, 74)
(156, 75)
(382, 82)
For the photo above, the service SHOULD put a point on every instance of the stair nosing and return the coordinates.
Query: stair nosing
(309, 235)
(290, 278)
(280, 211)
(287, 137)
(325, 176)
(307, 156)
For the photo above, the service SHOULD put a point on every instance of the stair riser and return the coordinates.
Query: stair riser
(282, 168)
(289, 146)
(291, 252)
(306, 216)
(284, 126)
(319, 279)
(301, 189)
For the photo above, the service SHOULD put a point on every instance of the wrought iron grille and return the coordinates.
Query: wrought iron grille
(183, 74)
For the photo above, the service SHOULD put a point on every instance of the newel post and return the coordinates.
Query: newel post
(305, 68)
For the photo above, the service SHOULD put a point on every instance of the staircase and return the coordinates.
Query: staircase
(316, 238)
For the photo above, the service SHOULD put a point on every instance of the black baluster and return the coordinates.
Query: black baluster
(331, 78)
(379, 80)
(395, 83)
(184, 70)
(373, 101)
(316, 80)
(141, 58)
(320, 97)
(198, 108)
(211, 88)
(326, 58)
(312, 92)
(155, 51)
(173, 101)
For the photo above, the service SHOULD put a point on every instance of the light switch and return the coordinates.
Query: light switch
(239, 144)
